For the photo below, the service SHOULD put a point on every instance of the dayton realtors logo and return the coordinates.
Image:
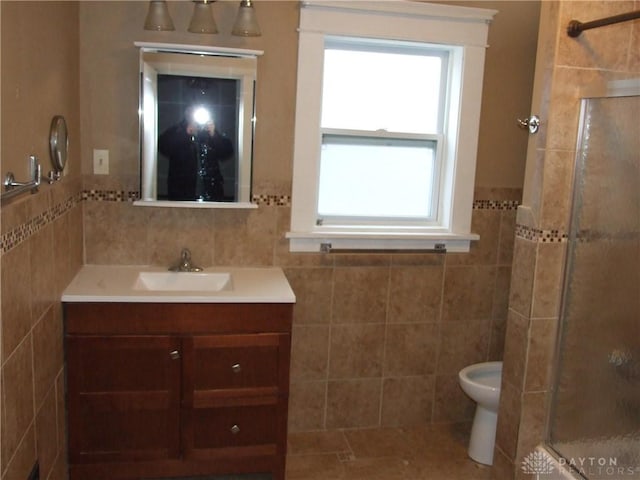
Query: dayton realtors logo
(538, 463)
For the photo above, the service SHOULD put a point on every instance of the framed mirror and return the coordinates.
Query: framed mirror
(196, 125)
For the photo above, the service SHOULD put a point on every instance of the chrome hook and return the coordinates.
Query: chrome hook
(532, 123)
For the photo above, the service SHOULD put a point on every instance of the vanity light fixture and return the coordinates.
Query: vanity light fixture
(246, 22)
(158, 17)
(202, 21)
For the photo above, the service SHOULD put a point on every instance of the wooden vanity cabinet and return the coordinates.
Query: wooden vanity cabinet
(169, 390)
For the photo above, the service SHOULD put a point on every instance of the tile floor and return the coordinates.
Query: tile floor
(433, 452)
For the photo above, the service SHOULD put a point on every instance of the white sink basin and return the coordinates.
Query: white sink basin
(183, 281)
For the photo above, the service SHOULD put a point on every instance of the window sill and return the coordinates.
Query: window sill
(327, 241)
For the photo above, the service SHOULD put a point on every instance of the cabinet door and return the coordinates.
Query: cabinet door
(123, 398)
(234, 390)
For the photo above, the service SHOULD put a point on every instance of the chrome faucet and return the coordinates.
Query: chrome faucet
(184, 264)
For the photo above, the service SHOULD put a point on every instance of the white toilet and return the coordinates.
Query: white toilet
(482, 383)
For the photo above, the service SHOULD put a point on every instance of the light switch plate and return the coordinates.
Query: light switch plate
(100, 162)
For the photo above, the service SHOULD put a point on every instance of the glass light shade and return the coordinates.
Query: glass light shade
(158, 17)
(202, 20)
(246, 22)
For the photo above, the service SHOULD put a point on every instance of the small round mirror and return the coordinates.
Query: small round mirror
(58, 143)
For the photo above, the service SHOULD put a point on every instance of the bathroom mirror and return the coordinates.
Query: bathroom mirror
(196, 125)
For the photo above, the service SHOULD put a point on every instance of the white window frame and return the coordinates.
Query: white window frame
(461, 29)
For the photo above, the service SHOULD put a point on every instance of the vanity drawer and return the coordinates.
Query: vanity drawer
(234, 426)
(236, 362)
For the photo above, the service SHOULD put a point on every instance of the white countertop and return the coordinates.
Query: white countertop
(117, 283)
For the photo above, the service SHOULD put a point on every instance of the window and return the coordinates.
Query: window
(387, 118)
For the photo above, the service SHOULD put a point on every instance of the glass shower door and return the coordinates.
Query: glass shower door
(594, 419)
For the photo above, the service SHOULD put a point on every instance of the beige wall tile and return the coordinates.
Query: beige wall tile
(468, 292)
(360, 294)
(169, 230)
(508, 427)
(515, 350)
(503, 468)
(415, 294)
(407, 401)
(462, 344)
(411, 349)
(522, 275)
(20, 465)
(17, 388)
(313, 288)
(451, 403)
(353, 403)
(309, 352)
(356, 350)
(605, 48)
(486, 223)
(507, 237)
(16, 299)
(307, 402)
(542, 340)
(47, 434)
(533, 416)
(304, 443)
(547, 289)
(47, 352)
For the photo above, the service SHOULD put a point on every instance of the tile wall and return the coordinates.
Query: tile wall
(566, 69)
(41, 250)
(378, 340)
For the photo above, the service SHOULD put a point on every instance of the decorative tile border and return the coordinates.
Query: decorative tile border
(495, 204)
(541, 236)
(22, 232)
(16, 236)
(130, 196)
(110, 195)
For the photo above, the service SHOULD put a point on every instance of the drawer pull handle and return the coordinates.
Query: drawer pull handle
(235, 429)
(236, 368)
(174, 354)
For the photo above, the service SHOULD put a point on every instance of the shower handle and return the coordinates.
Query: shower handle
(532, 123)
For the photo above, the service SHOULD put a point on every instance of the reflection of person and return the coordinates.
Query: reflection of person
(194, 148)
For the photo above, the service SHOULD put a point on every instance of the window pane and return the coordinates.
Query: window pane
(369, 177)
(365, 90)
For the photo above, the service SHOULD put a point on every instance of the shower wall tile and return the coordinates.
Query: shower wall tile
(542, 337)
(547, 287)
(508, 419)
(515, 350)
(557, 185)
(532, 420)
(522, 276)
(507, 236)
(609, 47)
